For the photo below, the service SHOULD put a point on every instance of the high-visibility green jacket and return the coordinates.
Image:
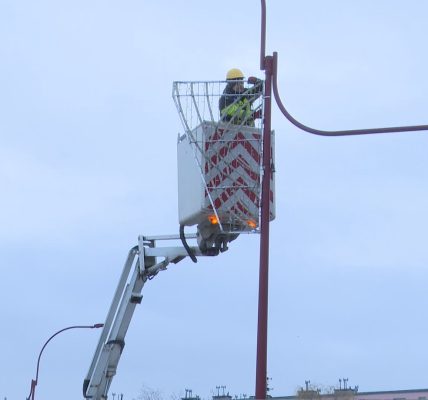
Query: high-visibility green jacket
(236, 107)
(239, 112)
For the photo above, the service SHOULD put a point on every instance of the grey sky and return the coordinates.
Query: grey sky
(88, 162)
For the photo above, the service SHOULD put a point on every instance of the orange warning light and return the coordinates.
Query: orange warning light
(213, 219)
(252, 224)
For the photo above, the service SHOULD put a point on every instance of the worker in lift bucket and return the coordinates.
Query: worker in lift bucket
(236, 103)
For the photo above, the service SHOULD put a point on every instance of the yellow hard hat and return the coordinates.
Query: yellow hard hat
(234, 73)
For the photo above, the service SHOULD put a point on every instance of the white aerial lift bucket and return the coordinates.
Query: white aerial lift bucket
(219, 163)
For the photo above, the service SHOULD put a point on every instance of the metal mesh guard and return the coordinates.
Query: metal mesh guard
(227, 154)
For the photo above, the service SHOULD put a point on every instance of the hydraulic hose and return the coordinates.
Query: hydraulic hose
(186, 246)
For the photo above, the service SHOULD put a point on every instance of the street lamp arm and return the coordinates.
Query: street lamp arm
(281, 106)
(34, 381)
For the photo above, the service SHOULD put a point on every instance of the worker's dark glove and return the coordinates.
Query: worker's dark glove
(257, 114)
(253, 80)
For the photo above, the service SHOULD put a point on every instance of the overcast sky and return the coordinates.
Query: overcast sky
(88, 162)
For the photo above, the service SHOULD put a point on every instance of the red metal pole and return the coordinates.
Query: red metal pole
(262, 326)
(263, 35)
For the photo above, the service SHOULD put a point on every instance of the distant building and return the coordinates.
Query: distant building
(342, 393)
(354, 394)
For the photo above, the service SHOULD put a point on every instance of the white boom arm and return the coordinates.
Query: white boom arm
(127, 296)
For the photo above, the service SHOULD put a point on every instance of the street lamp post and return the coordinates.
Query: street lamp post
(269, 65)
(35, 381)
